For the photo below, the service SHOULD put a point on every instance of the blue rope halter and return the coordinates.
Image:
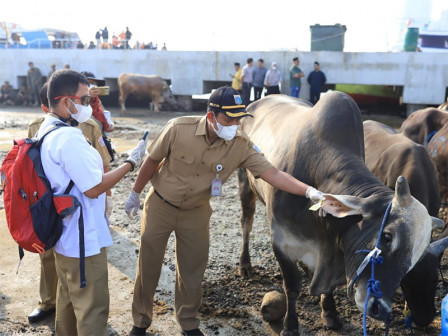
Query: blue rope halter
(373, 286)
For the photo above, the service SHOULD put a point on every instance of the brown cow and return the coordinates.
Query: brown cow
(145, 86)
(438, 152)
(422, 123)
(389, 155)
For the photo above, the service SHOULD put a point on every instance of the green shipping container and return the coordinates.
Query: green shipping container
(411, 39)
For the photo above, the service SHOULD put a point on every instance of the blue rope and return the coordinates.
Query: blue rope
(373, 286)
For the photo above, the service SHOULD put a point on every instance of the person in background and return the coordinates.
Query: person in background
(67, 156)
(237, 78)
(128, 36)
(24, 96)
(53, 69)
(273, 79)
(48, 275)
(164, 47)
(258, 75)
(34, 80)
(98, 38)
(7, 94)
(80, 45)
(105, 35)
(247, 80)
(316, 79)
(295, 75)
(67, 66)
(199, 154)
(98, 113)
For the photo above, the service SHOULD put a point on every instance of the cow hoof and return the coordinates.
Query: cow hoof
(331, 320)
(246, 271)
(290, 333)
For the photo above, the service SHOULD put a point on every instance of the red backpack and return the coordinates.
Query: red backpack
(34, 215)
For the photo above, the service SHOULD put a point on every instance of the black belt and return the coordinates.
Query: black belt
(160, 196)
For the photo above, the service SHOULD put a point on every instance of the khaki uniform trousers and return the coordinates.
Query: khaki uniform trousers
(82, 311)
(191, 229)
(48, 281)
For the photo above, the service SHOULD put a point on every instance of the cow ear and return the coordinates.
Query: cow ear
(341, 206)
(437, 223)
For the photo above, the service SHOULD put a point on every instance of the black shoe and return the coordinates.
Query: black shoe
(192, 332)
(38, 314)
(136, 331)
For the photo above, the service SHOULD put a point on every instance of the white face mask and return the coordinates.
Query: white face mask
(225, 132)
(84, 112)
(274, 67)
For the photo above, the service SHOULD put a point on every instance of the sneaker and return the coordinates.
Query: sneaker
(192, 332)
(136, 331)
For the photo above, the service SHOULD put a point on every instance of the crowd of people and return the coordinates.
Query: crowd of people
(119, 41)
(28, 93)
(260, 78)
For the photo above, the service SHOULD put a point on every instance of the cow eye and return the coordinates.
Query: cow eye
(387, 237)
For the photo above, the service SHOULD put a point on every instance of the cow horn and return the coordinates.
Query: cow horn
(402, 192)
(437, 247)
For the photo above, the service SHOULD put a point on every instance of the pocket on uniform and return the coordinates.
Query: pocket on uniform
(186, 158)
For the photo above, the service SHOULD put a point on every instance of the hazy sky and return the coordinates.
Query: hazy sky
(227, 25)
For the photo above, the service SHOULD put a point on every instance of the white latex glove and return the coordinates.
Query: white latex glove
(109, 205)
(316, 196)
(132, 204)
(138, 153)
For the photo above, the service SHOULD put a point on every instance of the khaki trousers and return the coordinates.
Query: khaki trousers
(191, 229)
(48, 281)
(82, 311)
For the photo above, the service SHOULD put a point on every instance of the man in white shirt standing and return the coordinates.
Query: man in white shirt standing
(247, 80)
(67, 156)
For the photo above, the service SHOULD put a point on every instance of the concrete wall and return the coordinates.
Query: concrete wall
(424, 76)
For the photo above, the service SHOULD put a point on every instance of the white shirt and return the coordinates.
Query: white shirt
(66, 155)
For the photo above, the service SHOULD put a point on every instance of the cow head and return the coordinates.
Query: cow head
(402, 242)
(420, 284)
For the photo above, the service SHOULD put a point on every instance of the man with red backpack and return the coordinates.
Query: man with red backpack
(67, 156)
(48, 276)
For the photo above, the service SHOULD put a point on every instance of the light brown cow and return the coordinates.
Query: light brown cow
(144, 86)
(444, 106)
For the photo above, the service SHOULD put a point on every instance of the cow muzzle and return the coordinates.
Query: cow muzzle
(378, 309)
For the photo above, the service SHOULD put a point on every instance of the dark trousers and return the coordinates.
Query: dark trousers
(314, 97)
(246, 93)
(257, 92)
(273, 90)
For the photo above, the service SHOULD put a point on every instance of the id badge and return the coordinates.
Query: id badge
(216, 187)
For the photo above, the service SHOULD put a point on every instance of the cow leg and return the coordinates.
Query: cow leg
(292, 284)
(122, 100)
(329, 315)
(248, 201)
(155, 101)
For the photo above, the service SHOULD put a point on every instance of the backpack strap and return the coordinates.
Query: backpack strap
(82, 251)
(50, 129)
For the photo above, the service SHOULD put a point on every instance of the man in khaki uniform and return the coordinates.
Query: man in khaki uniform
(48, 276)
(187, 163)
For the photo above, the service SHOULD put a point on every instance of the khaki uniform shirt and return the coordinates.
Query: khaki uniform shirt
(90, 130)
(185, 176)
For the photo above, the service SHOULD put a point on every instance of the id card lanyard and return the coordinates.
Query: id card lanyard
(217, 183)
